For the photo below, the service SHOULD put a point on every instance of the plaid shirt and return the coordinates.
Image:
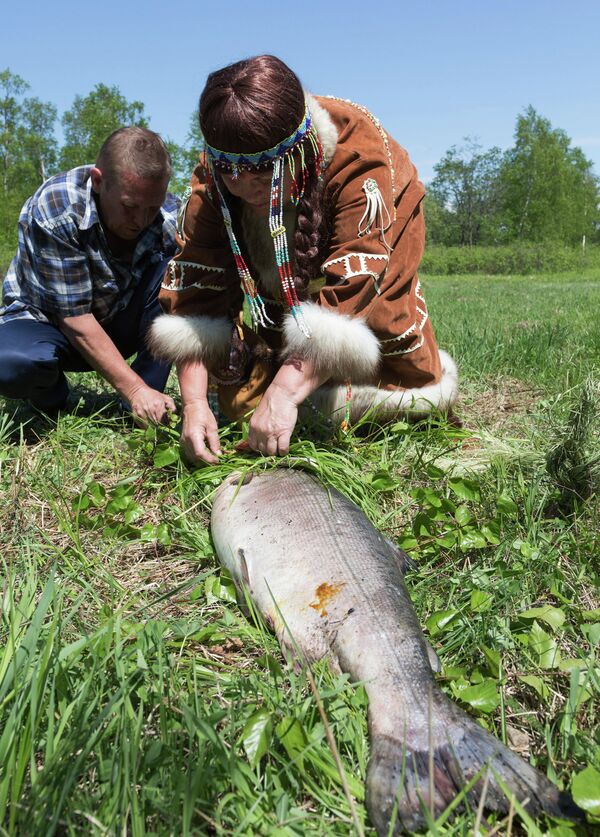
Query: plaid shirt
(64, 267)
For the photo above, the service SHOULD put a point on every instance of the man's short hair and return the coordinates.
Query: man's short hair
(135, 150)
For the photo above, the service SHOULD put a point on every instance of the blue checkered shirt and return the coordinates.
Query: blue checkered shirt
(64, 267)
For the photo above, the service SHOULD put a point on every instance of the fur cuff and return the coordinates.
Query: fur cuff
(174, 338)
(383, 405)
(339, 346)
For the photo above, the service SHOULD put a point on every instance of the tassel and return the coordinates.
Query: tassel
(376, 212)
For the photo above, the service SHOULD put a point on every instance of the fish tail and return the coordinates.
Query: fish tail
(404, 784)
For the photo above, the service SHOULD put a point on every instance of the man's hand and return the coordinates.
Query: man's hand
(273, 422)
(199, 434)
(149, 405)
(86, 334)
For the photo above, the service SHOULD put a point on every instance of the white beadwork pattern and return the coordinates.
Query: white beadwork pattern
(175, 283)
(411, 329)
(363, 266)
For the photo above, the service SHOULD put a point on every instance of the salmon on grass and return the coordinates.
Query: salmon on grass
(330, 584)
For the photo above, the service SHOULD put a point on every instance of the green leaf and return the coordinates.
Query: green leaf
(423, 525)
(441, 620)
(492, 657)
(553, 616)
(383, 481)
(462, 515)
(480, 601)
(147, 532)
(585, 790)
(571, 663)
(224, 589)
(163, 534)
(97, 493)
(536, 683)
(256, 736)
(165, 454)
(471, 539)
(407, 542)
(591, 614)
(544, 647)
(505, 505)
(291, 734)
(464, 488)
(561, 831)
(272, 665)
(484, 696)
(592, 632)
(491, 531)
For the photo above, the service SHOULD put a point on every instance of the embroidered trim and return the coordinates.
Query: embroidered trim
(414, 327)
(179, 289)
(363, 269)
(185, 199)
(175, 283)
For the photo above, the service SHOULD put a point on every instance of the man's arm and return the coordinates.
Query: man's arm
(87, 336)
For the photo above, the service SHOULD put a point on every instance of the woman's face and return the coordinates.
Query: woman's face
(252, 187)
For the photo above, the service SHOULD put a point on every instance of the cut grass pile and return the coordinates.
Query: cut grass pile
(135, 695)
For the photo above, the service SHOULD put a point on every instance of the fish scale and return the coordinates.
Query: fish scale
(330, 584)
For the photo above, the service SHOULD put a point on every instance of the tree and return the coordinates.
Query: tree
(90, 121)
(466, 187)
(549, 190)
(185, 157)
(28, 150)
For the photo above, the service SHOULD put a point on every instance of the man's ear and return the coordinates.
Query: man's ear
(97, 177)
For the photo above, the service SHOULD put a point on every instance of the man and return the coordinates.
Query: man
(82, 290)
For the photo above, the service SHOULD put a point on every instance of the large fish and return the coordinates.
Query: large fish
(330, 584)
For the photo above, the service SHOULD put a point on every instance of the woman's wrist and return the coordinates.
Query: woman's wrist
(296, 379)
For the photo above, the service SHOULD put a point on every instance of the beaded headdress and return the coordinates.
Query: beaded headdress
(278, 156)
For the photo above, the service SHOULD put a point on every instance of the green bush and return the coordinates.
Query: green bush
(522, 258)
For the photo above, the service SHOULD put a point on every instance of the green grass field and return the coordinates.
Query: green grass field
(137, 698)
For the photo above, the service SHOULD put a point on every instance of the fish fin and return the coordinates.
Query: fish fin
(405, 562)
(243, 567)
(399, 787)
(434, 660)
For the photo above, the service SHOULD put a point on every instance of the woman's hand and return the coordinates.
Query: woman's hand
(273, 422)
(274, 419)
(199, 433)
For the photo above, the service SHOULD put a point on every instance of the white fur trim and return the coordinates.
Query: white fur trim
(174, 338)
(340, 346)
(325, 128)
(384, 404)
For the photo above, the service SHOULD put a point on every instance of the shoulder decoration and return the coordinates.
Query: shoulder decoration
(376, 212)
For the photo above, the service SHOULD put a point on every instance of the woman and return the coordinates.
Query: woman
(307, 216)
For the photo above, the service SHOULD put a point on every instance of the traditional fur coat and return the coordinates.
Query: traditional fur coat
(366, 315)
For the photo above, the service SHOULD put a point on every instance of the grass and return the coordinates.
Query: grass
(137, 698)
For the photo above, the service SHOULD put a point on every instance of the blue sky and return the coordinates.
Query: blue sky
(434, 71)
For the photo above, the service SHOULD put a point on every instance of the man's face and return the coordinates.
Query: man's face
(128, 203)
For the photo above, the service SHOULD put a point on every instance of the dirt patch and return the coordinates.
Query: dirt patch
(499, 408)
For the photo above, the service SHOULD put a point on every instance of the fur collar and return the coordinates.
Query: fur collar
(325, 128)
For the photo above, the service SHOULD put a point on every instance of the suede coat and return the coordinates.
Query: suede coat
(366, 313)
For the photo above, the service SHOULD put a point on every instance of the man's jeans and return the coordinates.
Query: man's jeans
(34, 355)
